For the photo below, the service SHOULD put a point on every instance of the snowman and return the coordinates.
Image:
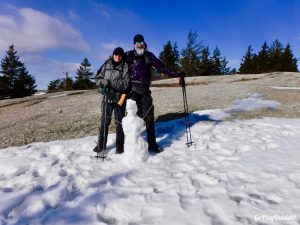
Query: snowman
(135, 147)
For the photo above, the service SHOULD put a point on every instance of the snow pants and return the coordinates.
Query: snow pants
(119, 112)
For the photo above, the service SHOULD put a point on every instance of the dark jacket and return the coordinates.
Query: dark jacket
(118, 77)
(140, 68)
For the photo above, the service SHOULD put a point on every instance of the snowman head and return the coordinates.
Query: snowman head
(131, 107)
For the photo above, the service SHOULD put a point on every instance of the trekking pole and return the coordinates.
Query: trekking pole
(188, 132)
(104, 133)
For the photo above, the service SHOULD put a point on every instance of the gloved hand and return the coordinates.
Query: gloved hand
(105, 83)
(103, 90)
(181, 76)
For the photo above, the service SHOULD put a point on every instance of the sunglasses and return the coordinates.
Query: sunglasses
(140, 43)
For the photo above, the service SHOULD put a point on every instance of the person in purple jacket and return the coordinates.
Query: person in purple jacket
(140, 62)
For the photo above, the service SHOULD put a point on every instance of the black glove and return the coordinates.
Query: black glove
(105, 83)
(103, 90)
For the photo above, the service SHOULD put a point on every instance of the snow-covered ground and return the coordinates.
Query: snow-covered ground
(239, 172)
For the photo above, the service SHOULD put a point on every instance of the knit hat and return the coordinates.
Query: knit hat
(118, 51)
(138, 38)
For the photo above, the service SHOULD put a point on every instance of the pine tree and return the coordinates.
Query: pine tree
(54, 85)
(10, 67)
(3, 87)
(247, 62)
(190, 61)
(69, 84)
(219, 64)
(170, 56)
(84, 76)
(176, 56)
(15, 80)
(288, 61)
(25, 84)
(263, 59)
(206, 64)
(233, 71)
(269, 59)
(216, 58)
(223, 68)
(275, 55)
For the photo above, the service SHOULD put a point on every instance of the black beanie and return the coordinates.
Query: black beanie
(118, 51)
(138, 38)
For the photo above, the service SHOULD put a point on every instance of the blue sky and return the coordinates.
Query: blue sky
(54, 36)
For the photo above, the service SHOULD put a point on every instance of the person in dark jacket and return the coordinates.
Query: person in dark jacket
(112, 80)
(140, 62)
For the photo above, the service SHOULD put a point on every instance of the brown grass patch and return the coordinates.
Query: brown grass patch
(244, 79)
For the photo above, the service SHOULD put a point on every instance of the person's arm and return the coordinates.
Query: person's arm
(100, 75)
(161, 67)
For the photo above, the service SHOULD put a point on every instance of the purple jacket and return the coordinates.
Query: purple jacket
(140, 67)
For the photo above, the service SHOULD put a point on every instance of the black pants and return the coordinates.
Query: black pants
(107, 110)
(146, 111)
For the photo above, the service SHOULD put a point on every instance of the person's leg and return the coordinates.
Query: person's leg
(119, 115)
(148, 116)
(150, 125)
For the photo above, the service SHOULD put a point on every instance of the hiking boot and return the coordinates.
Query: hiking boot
(155, 149)
(119, 150)
(97, 149)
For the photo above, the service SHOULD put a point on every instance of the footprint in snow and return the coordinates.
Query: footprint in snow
(200, 180)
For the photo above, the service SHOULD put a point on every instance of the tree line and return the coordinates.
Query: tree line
(83, 79)
(195, 60)
(269, 59)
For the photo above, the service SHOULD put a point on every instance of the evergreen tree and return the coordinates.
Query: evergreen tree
(288, 61)
(247, 62)
(269, 59)
(84, 76)
(263, 58)
(176, 56)
(25, 84)
(69, 84)
(275, 56)
(206, 64)
(15, 80)
(219, 64)
(10, 67)
(223, 68)
(233, 71)
(55, 85)
(190, 61)
(3, 87)
(170, 55)
(216, 58)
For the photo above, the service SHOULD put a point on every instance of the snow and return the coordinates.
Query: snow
(38, 93)
(58, 95)
(236, 172)
(285, 88)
